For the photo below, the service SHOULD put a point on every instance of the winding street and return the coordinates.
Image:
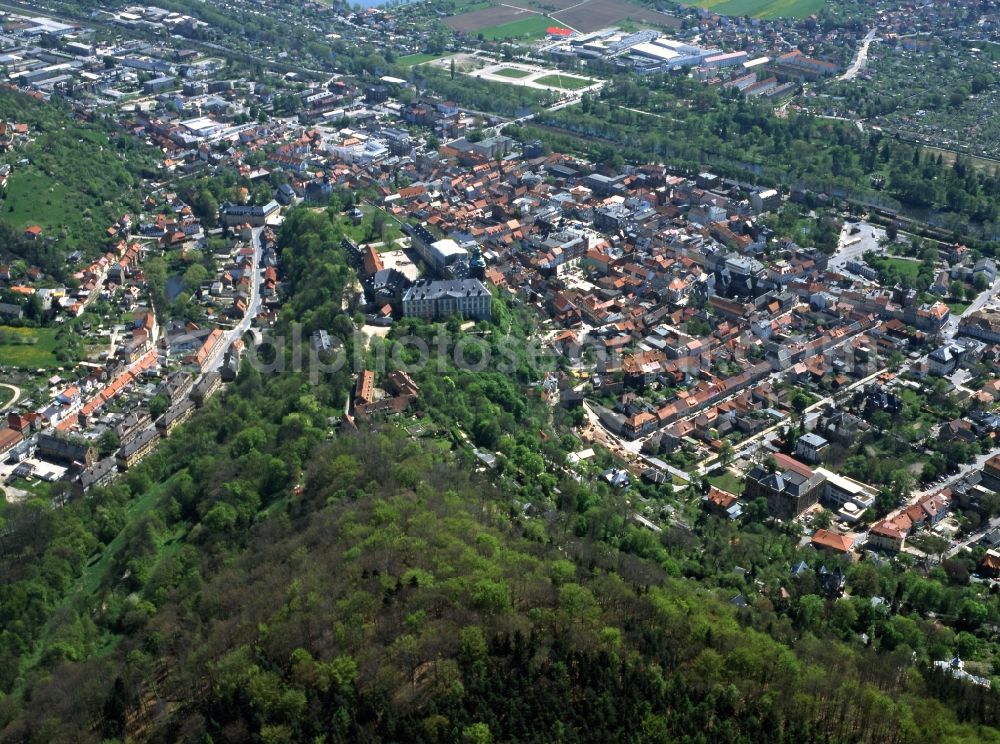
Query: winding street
(860, 59)
(13, 400)
(253, 307)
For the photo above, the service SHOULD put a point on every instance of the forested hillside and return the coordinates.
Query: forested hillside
(267, 576)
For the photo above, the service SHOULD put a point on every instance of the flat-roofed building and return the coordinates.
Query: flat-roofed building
(726, 59)
(839, 490)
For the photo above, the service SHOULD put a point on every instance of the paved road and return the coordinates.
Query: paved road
(964, 470)
(985, 298)
(744, 445)
(860, 59)
(973, 538)
(253, 307)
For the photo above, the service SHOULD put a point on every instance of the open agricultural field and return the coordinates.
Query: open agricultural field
(545, 6)
(532, 26)
(522, 18)
(761, 8)
(592, 15)
(479, 21)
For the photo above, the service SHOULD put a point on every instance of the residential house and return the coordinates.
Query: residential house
(887, 535)
(810, 447)
(832, 542)
(722, 503)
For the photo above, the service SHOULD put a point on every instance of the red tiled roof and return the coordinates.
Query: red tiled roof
(832, 541)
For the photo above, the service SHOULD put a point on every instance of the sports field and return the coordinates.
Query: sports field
(761, 8)
(566, 82)
(512, 72)
(417, 59)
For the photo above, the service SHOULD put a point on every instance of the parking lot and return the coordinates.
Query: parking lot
(40, 470)
(856, 238)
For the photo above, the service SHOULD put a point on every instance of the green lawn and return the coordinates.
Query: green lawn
(35, 199)
(36, 487)
(512, 72)
(726, 481)
(530, 28)
(5, 395)
(904, 266)
(29, 348)
(417, 59)
(957, 308)
(761, 8)
(566, 82)
(363, 233)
